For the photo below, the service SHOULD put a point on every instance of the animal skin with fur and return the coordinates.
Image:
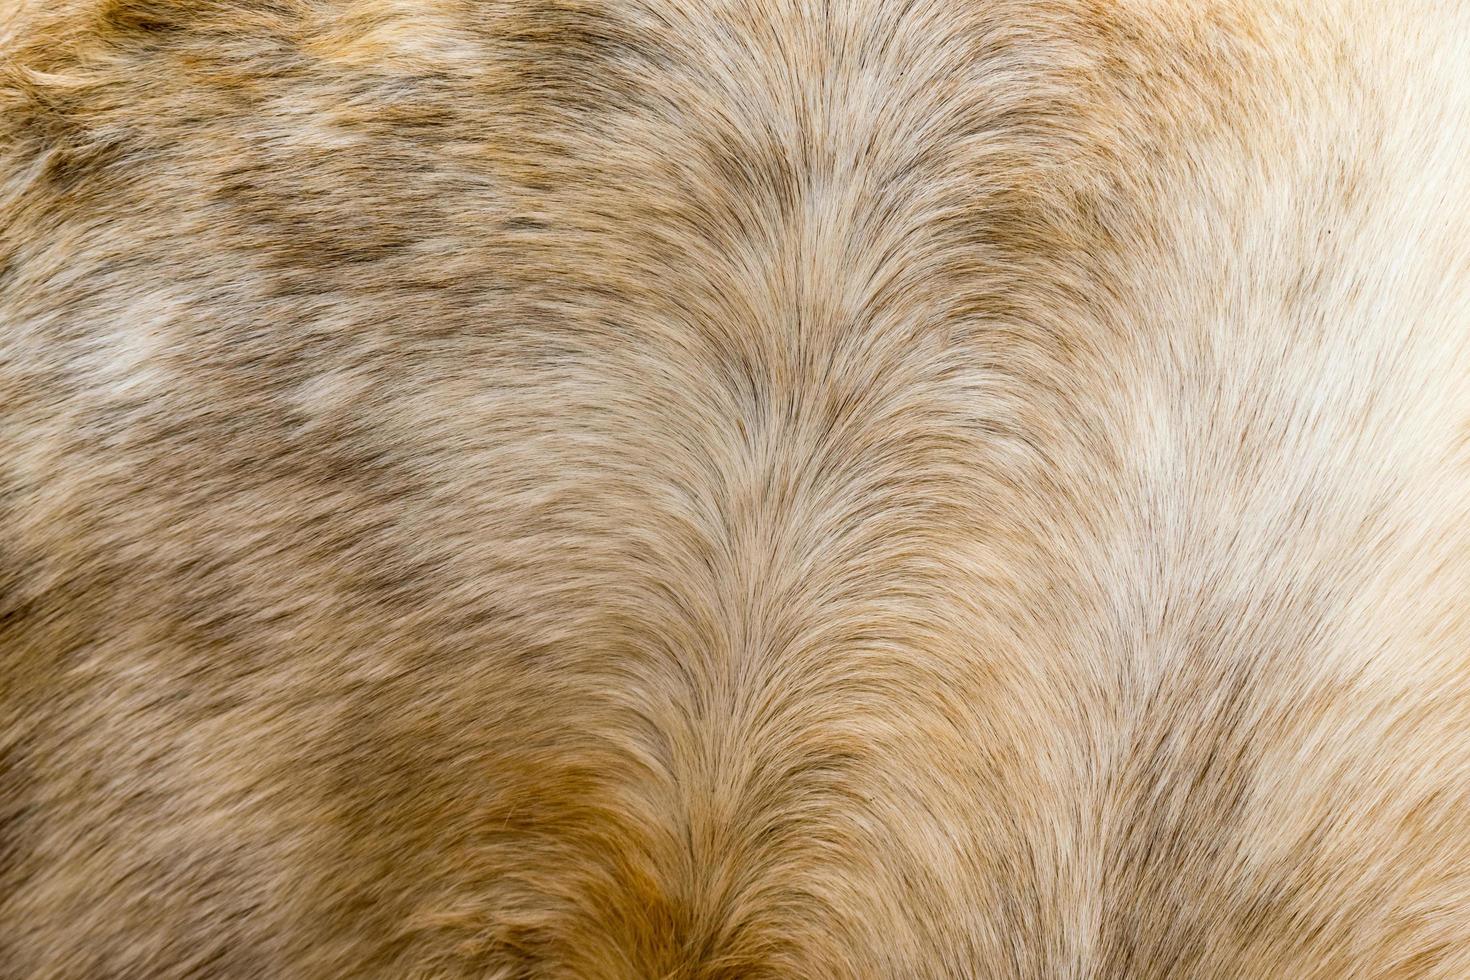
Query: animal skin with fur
(714, 489)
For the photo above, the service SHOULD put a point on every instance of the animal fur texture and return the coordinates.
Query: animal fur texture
(714, 489)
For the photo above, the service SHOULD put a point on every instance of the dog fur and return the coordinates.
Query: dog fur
(712, 489)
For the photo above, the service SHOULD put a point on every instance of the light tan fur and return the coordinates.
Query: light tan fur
(735, 489)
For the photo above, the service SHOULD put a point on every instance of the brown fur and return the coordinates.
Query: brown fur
(734, 488)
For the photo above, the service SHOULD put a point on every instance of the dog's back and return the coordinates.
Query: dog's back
(762, 488)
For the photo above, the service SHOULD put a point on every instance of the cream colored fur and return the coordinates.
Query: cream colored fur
(710, 489)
